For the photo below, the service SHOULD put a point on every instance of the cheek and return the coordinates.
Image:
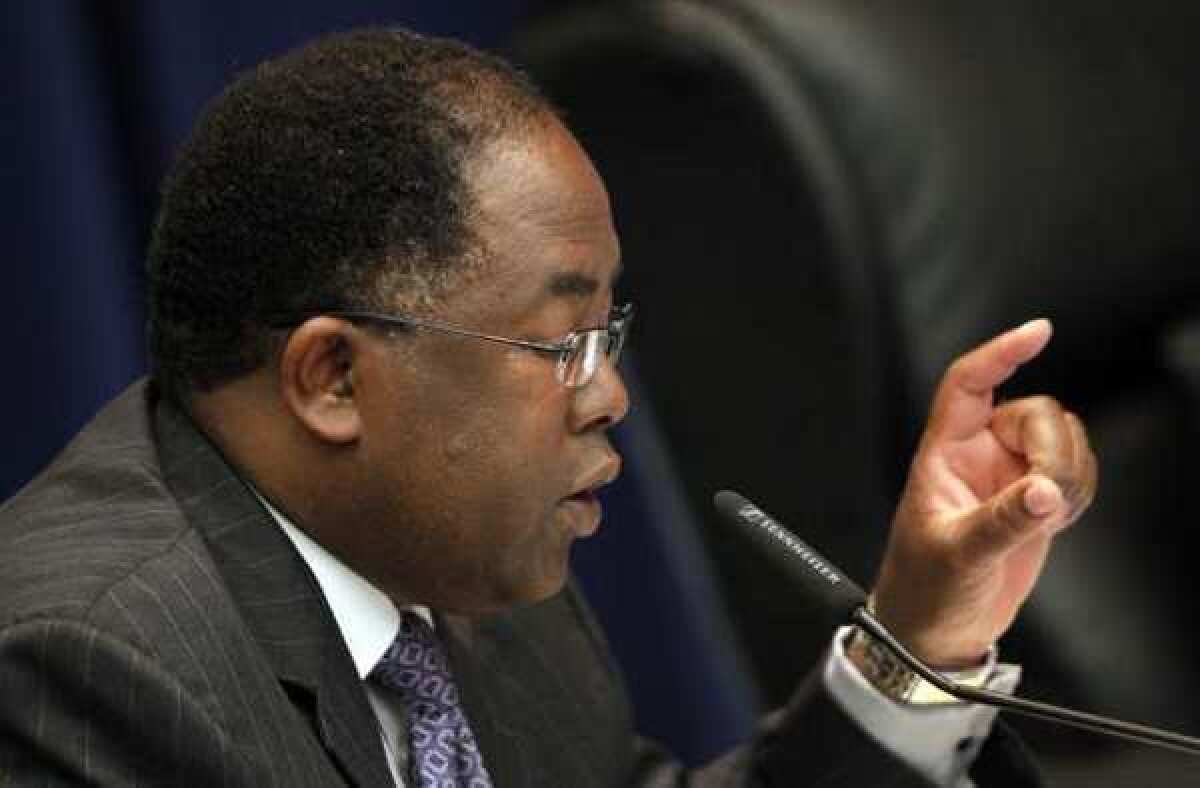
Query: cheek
(483, 471)
(502, 476)
(519, 441)
(507, 477)
(481, 474)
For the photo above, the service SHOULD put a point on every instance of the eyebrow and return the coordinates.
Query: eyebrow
(575, 284)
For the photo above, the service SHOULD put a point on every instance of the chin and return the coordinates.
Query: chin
(508, 595)
(526, 578)
(538, 589)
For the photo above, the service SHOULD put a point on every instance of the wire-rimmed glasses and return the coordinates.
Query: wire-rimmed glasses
(579, 352)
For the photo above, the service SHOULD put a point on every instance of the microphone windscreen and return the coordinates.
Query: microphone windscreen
(838, 593)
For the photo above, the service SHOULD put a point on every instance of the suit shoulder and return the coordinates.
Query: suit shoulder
(98, 513)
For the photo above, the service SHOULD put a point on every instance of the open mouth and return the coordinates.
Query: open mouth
(584, 496)
(583, 512)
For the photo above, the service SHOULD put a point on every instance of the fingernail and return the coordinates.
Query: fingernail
(1037, 321)
(1042, 497)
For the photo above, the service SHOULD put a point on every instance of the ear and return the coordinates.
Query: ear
(316, 378)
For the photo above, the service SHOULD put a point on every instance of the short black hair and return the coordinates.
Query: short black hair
(333, 175)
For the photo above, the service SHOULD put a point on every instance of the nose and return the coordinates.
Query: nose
(602, 403)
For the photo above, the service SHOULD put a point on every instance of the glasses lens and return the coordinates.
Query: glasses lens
(616, 340)
(580, 363)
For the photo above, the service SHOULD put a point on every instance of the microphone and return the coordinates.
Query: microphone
(844, 598)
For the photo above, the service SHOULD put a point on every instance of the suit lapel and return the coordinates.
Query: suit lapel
(514, 718)
(472, 649)
(277, 595)
(542, 701)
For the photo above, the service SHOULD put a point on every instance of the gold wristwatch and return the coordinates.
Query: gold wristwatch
(890, 676)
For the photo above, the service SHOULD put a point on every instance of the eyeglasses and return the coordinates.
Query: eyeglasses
(579, 352)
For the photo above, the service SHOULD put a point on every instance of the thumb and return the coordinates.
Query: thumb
(1010, 517)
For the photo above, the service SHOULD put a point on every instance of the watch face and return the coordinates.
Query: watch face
(882, 669)
(893, 679)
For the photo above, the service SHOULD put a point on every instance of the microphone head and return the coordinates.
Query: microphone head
(838, 593)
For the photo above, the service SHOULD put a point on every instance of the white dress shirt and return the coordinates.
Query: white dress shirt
(940, 742)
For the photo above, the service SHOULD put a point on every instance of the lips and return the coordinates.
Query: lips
(583, 504)
(583, 512)
(603, 474)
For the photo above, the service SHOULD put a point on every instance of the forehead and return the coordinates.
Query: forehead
(542, 214)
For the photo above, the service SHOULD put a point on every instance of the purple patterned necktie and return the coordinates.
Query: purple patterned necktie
(442, 748)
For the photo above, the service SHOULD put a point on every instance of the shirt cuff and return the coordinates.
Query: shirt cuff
(939, 741)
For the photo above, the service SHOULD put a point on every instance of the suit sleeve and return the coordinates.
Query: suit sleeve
(80, 706)
(811, 741)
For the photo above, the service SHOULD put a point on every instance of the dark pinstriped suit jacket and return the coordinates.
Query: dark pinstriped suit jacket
(156, 627)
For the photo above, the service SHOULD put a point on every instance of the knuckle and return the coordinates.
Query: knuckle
(1062, 471)
(1088, 499)
(1091, 485)
(1081, 501)
(1073, 491)
(958, 369)
(1044, 404)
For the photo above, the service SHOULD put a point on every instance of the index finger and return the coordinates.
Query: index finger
(962, 405)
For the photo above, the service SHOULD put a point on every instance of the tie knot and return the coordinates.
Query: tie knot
(415, 664)
(416, 632)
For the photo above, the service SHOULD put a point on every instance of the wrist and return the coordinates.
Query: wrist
(876, 663)
(937, 644)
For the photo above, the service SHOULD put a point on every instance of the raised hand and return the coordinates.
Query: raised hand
(989, 487)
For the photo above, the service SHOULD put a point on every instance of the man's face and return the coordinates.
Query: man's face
(477, 467)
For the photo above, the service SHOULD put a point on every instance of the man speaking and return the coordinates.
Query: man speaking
(326, 542)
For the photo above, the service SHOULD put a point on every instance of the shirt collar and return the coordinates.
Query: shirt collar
(366, 617)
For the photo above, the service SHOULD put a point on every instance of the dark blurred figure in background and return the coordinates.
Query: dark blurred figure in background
(871, 190)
